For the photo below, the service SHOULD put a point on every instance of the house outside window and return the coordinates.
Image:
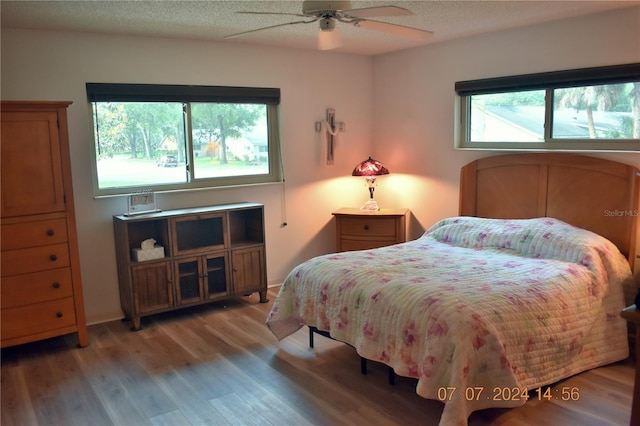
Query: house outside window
(163, 138)
(595, 109)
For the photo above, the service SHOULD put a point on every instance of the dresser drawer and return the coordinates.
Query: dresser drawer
(363, 226)
(36, 233)
(18, 290)
(24, 261)
(37, 318)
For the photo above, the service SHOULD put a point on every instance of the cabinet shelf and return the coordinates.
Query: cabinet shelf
(244, 244)
(146, 262)
(139, 231)
(211, 253)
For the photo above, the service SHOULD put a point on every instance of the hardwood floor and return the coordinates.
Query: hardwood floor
(219, 365)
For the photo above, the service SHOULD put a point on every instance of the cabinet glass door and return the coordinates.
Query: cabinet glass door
(216, 276)
(189, 288)
(195, 234)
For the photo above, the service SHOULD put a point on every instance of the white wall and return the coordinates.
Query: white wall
(398, 108)
(414, 99)
(56, 65)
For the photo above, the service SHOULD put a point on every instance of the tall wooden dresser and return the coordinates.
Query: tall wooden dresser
(41, 284)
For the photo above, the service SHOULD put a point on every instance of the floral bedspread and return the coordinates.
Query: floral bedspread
(478, 310)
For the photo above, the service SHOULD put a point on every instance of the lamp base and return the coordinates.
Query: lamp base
(370, 205)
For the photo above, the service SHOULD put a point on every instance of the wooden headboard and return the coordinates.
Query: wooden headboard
(592, 193)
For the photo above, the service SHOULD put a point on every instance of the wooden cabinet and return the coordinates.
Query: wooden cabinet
(248, 269)
(210, 253)
(152, 287)
(41, 282)
(360, 230)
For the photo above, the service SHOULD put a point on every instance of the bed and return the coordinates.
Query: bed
(522, 289)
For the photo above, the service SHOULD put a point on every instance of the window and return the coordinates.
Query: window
(171, 137)
(588, 109)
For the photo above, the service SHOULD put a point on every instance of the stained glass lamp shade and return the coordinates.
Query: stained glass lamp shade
(370, 169)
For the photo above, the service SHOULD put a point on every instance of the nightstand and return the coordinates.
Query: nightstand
(359, 230)
(632, 315)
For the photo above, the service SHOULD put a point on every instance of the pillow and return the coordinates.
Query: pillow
(542, 237)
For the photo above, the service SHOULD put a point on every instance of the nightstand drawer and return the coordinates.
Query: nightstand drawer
(351, 245)
(361, 230)
(368, 227)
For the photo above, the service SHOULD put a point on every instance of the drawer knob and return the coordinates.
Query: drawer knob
(366, 227)
(51, 232)
(56, 285)
(58, 314)
(53, 257)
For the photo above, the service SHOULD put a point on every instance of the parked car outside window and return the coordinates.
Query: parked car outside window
(167, 161)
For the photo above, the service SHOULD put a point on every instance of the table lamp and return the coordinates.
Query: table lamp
(370, 169)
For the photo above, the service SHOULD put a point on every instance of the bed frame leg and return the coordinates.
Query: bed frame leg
(363, 370)
(311, 337)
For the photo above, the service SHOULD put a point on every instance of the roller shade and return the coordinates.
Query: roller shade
(551, 80)
(113, 92)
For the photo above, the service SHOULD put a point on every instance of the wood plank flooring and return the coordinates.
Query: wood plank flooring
(220, 365)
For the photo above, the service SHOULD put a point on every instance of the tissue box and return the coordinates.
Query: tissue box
(140, 255)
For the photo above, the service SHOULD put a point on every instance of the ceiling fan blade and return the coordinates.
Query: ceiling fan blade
(375, 12)
(400, 30)
(268, 28)
(272, 13)
(329, 40)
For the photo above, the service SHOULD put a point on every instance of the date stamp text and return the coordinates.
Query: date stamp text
(499, 393)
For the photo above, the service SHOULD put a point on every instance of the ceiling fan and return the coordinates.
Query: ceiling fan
(328, 13)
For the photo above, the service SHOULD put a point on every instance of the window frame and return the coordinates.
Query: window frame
(547, 81)
(188, 94)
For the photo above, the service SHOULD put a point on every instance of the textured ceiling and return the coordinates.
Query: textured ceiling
(212, 20)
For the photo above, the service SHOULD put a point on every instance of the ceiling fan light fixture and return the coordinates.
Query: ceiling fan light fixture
(329, 39)
(327, 24)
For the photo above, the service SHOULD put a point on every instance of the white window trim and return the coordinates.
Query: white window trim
(547, 81)
(99, 92)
